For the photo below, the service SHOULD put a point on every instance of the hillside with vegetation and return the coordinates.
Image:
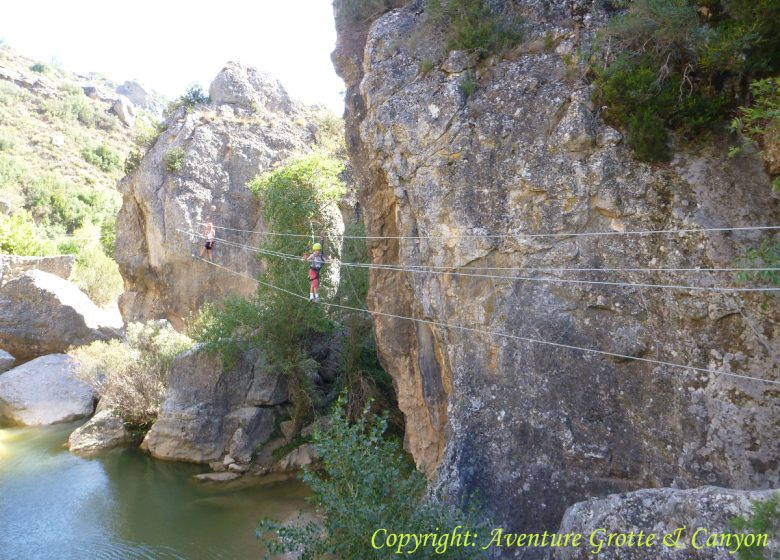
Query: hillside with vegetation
(62, 149)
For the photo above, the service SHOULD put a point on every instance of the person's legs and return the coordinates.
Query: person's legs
(312, 283)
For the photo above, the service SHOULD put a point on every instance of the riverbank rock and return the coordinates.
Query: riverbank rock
(205, 413)
(44, 391)
(103, 431)
(498, 175)
(249, 126)
(41, 313)
(662, 511)
(14, 266)
(297, 458)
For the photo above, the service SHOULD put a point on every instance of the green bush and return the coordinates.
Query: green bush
(766, 255)
(686, 62)
(365, 482)
(56, 201)
(765, 520)
(468, 84)
(192, 97)
(762, 118)
(19, 236)
(97, 275)
(39, 67)
(647, 136)
(361, 10)
(174, 159)
(130, 375)
(132, 161)
(103, 157)
(474, 26)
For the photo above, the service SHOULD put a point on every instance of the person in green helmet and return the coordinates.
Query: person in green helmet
(316, 261)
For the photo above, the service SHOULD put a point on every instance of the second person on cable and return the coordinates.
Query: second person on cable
(316, 262)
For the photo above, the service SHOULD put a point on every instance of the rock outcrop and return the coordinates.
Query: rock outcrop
(104, 430)
(467, 176)
(250, 125)
(44, 391)
(700, 511)
(210, 410)
(142, 97)
(41, 313)
(13, 266)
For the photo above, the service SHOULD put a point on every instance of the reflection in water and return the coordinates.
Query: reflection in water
(124, 505)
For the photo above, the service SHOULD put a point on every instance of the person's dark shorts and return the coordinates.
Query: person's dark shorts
(209, 245)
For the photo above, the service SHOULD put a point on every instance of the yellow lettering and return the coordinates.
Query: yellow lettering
(495, 538)
(597, 544)
(373, 539)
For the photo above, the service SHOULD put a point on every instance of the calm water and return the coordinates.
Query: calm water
(123, 505)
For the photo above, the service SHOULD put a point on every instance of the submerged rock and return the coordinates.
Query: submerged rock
(44, 391)
(41, 313)
(103, 431)
(702, 512)
(217, 476)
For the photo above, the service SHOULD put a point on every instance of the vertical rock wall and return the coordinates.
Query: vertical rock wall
(534, 428)
(249, 126)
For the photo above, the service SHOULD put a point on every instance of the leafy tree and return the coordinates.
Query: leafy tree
(279, 319)
(365, 482)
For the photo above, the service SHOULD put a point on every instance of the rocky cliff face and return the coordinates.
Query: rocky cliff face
(250, 125)
(531, 427)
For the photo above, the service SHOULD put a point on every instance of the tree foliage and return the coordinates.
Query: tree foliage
(765, 519)
(278, 318)
(364, 482)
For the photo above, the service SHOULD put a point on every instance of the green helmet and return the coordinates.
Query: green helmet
(316, 247)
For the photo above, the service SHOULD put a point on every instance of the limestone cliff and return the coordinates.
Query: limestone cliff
(250, 125)
(535, 428)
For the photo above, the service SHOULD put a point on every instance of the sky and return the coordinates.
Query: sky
(169, 45)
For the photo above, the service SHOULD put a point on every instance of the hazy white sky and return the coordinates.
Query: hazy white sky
(171, 44)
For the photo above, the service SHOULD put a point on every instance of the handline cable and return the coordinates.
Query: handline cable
(528, 278)
(517, 235)
(497, 333)
(518, 268)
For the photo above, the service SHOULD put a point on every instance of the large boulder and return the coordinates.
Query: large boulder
(13, 266)
(142, 97)
(103, 431)
(125, 110)
(205, 413)
(44, 314)
(161, 222)
(454, 181)
(44, 391)
(701, 512)
(250, 89)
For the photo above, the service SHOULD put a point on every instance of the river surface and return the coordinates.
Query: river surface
(124, 505)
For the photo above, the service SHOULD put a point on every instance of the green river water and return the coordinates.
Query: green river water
(124, 505)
